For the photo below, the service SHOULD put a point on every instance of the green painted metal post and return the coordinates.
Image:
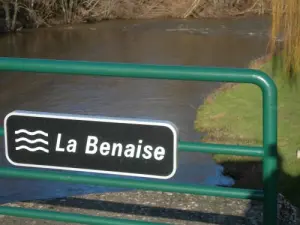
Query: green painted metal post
(187, 73)
(270, 159)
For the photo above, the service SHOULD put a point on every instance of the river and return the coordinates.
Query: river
(207, 42)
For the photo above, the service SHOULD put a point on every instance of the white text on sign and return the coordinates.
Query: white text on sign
(92, 146)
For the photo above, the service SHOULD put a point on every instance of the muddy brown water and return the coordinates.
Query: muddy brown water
(229, 42)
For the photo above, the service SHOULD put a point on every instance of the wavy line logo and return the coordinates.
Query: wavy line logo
(38, 141)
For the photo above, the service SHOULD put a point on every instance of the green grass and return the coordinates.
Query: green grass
(234, 116)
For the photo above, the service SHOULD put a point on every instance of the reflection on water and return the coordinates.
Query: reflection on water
(207, 43)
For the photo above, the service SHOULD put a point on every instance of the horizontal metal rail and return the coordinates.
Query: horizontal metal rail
(69, 217)
(131, 183)
(221, 149)
(213, 148)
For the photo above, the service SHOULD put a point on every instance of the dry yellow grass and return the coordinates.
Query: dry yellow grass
(48, 12)
(286, 23)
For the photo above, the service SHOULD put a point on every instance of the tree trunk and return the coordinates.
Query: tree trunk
(14, 19)
(7, 15)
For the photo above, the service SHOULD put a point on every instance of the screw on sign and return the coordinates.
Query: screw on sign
(121, 146)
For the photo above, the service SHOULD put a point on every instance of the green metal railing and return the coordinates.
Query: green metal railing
(268, 152)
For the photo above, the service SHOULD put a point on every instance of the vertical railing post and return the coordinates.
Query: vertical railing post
(270, 159)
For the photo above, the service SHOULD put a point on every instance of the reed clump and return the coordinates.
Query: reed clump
(286, 25)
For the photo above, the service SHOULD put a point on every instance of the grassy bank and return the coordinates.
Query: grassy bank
(51, 12)
(234, 115)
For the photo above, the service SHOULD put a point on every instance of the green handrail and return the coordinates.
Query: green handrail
(268, 152)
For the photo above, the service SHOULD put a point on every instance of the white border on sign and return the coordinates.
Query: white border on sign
(138, 121)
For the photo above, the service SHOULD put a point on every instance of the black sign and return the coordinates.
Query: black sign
(130, 147)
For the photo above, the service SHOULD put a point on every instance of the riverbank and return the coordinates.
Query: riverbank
(46, 13)
(233, 115)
